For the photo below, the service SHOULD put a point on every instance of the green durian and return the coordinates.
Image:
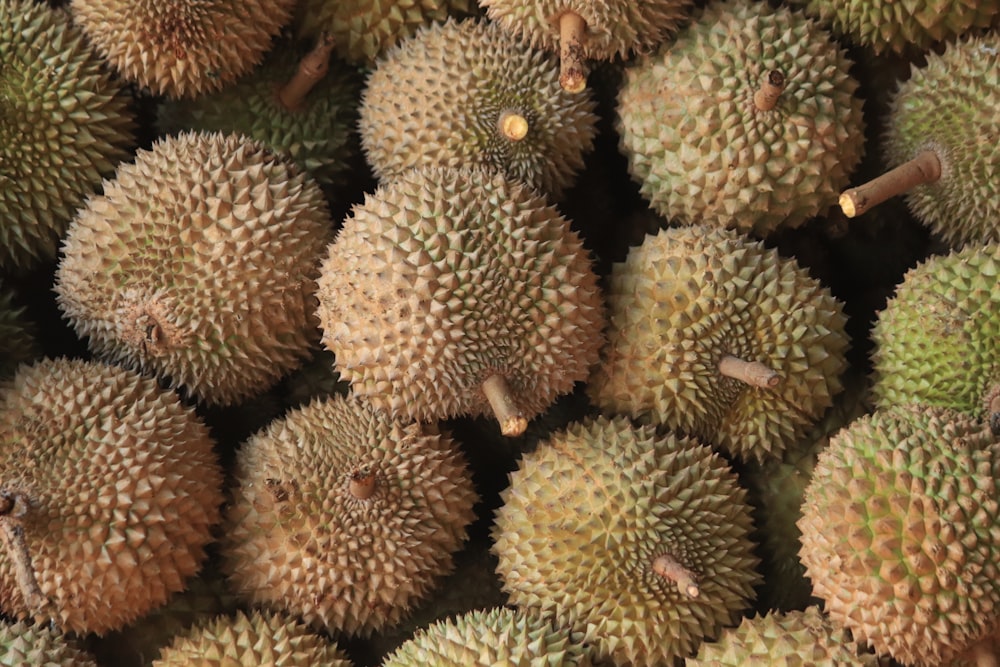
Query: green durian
(38, 645)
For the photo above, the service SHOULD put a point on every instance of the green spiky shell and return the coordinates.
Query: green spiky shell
(615, 28)
(318, 136)
(485, 638)
(24, 645)
(895, 26)
(901, 532)
(181, 48)
(122, 489)
(262, 638)
(949, 106)
(938, 339)
(198, 265)
(702, 151)
(362, 30)
(298, 539)
(687, 297)
(64, 125)
(791, 639)
(18, 334)
(443, 278)
(589, 511)
(470, 72)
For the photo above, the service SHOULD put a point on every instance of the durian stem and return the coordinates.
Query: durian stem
(312, 68)
(498, 393)
(362, 484)
(751, 372)
(766, 97)
(687, 581)
(572, 70)
(984, 654)
(924, 168)
(512, 125)
(12, 508)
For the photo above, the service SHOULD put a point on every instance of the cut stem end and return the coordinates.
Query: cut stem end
(668, 568)
(766, 97)
(572, 67)
(362, 484)
(752, 373)
(512, 125)
(924, 168)
(312, 68)
(504, 405)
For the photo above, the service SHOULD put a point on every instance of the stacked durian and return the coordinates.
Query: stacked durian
(383, 189)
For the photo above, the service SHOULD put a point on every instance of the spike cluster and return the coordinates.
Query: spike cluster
(24, 645)
(64, 125)
(452, 292)
(115, 487)
(689, 299)
(344, 517)
(704, 151)
(646, 547)
(181, 48)
(198, 264)
(471, 73)
(906, 504)
(19, 335)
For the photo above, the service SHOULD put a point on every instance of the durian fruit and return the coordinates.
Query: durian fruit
(491, 637)
(637, 540)
(109, 490)
(941, 143)
(344, 517)
(260, 638)
(24, 645)
(18, 334)
(749, 120)
(887, 25)
(363, 30)
(901, 532)
(466, 94)
(713, 334)
(583, 29)
(306, 107)
(458, 292)
(181, 48)
(937, 341)
(791, 639)
(64, 125)
(198, 265)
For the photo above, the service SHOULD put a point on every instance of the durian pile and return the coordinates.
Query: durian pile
(426, 332)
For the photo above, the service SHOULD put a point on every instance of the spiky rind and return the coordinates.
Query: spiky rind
(300, 538)
(122, 489)
(181, 48)
(948, 106)
(789, 639)
(901, 532)
(18, 333)
(499, 636)
(689, 296)
(469, 73)
(701, 149)
(64, 125)
(198, 265)
(938, 339)
(615, 28)
(22, 644)
(888, 25)
(319, 136)
(635, 496)
(363, 30)
(261, 638)
(443, 278)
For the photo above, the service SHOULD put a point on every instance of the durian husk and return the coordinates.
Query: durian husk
(64, 125)
(198, 265)
(116, 487)
(703, 151)
(18, 334)
(344, 517)
(181, 48)
(26, 645)
(690, 296)
(901, 532)
(251, 640)
(937, 341)
(445, 278)
(470, 73)
(589, 513)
